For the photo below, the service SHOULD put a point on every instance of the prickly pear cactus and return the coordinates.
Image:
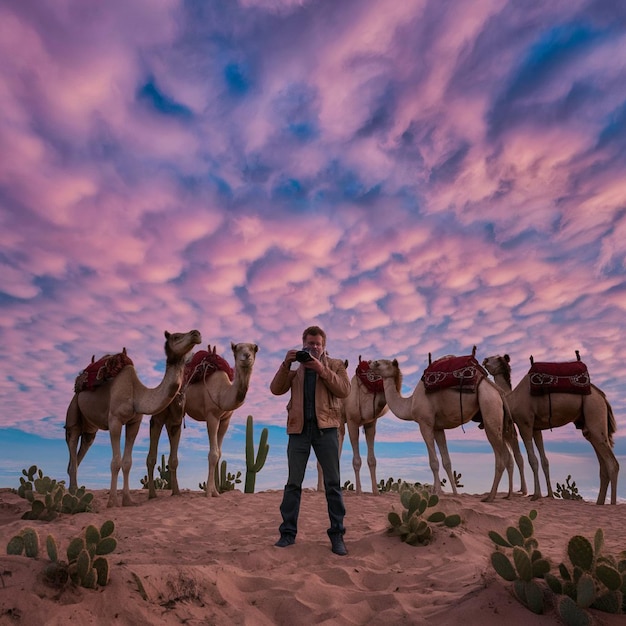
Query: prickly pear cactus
(412, 525)
(522, 563)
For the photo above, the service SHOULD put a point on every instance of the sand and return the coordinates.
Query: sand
(212, 561)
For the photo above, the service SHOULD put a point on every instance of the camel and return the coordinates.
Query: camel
(437, 411)
(213, 399)
(122, 403)
(365, 404)
(534, 414)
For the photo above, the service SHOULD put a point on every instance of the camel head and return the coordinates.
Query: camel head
(178, 345)
(498, 365)
(244, 353)
(387, 369)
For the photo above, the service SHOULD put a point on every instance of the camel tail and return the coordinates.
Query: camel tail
(610, 417)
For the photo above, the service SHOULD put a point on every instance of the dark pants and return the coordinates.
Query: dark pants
(326, 446)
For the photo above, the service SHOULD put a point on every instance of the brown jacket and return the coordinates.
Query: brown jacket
(331, 387)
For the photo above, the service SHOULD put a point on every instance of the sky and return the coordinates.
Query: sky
(415, 177)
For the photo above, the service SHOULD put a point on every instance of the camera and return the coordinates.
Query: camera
(302, 356)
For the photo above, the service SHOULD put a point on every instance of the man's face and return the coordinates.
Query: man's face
(314, 344)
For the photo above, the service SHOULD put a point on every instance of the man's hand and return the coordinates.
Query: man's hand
(314, 364)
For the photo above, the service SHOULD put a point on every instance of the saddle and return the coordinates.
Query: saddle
(103, 370)
(204, 363)
(462, 373)
(566, 377)
(372, 382)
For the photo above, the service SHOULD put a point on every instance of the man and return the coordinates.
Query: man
(314, 413)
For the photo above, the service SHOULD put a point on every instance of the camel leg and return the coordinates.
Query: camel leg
(86, 439)
(72, 435)
(429, 439)
(320, 477)
(156, 426)
(115, 432)
(78, 441)
(519, 461)
(609, 470)
(173, 432)
(370, 436)
(442, 444)
(503, 459)
(534, 464)
(353, 433)
(132, 429)
(71, 438)
(215, 453)
(545, 464)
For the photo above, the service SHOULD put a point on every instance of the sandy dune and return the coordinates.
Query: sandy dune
(212, 561)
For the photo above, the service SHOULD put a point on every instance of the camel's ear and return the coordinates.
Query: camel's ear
(93, 358)
(345, 363)
(215, 349)
(507, 358)
(359, 359)
(395, 362)
(233, 346)
(167, 334)
(256, 348)
(124, 350)
(474, 351)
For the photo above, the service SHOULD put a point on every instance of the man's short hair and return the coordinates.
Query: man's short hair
(314, 330)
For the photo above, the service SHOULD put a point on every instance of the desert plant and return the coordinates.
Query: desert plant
(412, 525)
(457, 480)
(591, 579)
(163, 481)
(25, 542)
(224, 480)
(48, 497)
(389, 485)
(86, 564)
(524, 565)
(254, 466)
(567, 490)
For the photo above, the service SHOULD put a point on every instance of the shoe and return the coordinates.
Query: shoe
(337, 545)
(285, 540)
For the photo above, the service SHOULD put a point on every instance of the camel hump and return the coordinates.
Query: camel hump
(103, 370)
(458, 372)
(566, 377)
(205, 363)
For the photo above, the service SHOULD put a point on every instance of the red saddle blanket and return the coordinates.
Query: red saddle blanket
(373, 382)
(101, 371)
(458, 372)
(568, 377)
(203, 364)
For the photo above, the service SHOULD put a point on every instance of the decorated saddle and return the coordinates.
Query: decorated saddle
(101, 371)
(462, 373)
(204, 363)
(566, 377)
(372, 382)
